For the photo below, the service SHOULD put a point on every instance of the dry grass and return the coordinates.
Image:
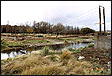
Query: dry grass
(45, 70)
(81, 68)
(66, 54)
(48, 65)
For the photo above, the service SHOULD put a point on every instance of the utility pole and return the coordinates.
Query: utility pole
(104, 19)
(99, 19)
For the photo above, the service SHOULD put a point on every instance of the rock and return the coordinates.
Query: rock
(109, 62)
(81, 57)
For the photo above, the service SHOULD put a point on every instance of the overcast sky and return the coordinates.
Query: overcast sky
(73, 13)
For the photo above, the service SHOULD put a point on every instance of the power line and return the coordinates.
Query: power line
(80, 16)
(79, 19)
(72, 18)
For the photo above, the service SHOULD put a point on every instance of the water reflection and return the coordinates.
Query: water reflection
(19, 51)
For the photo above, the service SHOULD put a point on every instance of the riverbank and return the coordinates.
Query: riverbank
(46, 63)
(68, 61)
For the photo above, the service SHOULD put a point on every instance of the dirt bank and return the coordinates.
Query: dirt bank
(96, 56)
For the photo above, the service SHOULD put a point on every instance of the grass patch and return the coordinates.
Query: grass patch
(14, 43)
(91, 45)
(75, 50)
(63, 39)
(78, 39)
(45, 51)
(39, 41)
(3, 44)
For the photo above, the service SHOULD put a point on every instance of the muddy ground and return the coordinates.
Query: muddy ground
(96, 56)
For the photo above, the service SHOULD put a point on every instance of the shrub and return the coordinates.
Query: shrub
(87, 30)
(45, 51)
(66, 54)
(91, 45)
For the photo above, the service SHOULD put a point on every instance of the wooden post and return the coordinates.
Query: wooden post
(104, 19)
(99, 19)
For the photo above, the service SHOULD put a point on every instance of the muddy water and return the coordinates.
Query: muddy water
(58, 47)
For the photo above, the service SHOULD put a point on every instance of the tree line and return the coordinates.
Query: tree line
(44, 28)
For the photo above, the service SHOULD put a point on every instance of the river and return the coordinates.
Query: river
(14, 53)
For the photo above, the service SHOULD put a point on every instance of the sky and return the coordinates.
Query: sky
(73, 13)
